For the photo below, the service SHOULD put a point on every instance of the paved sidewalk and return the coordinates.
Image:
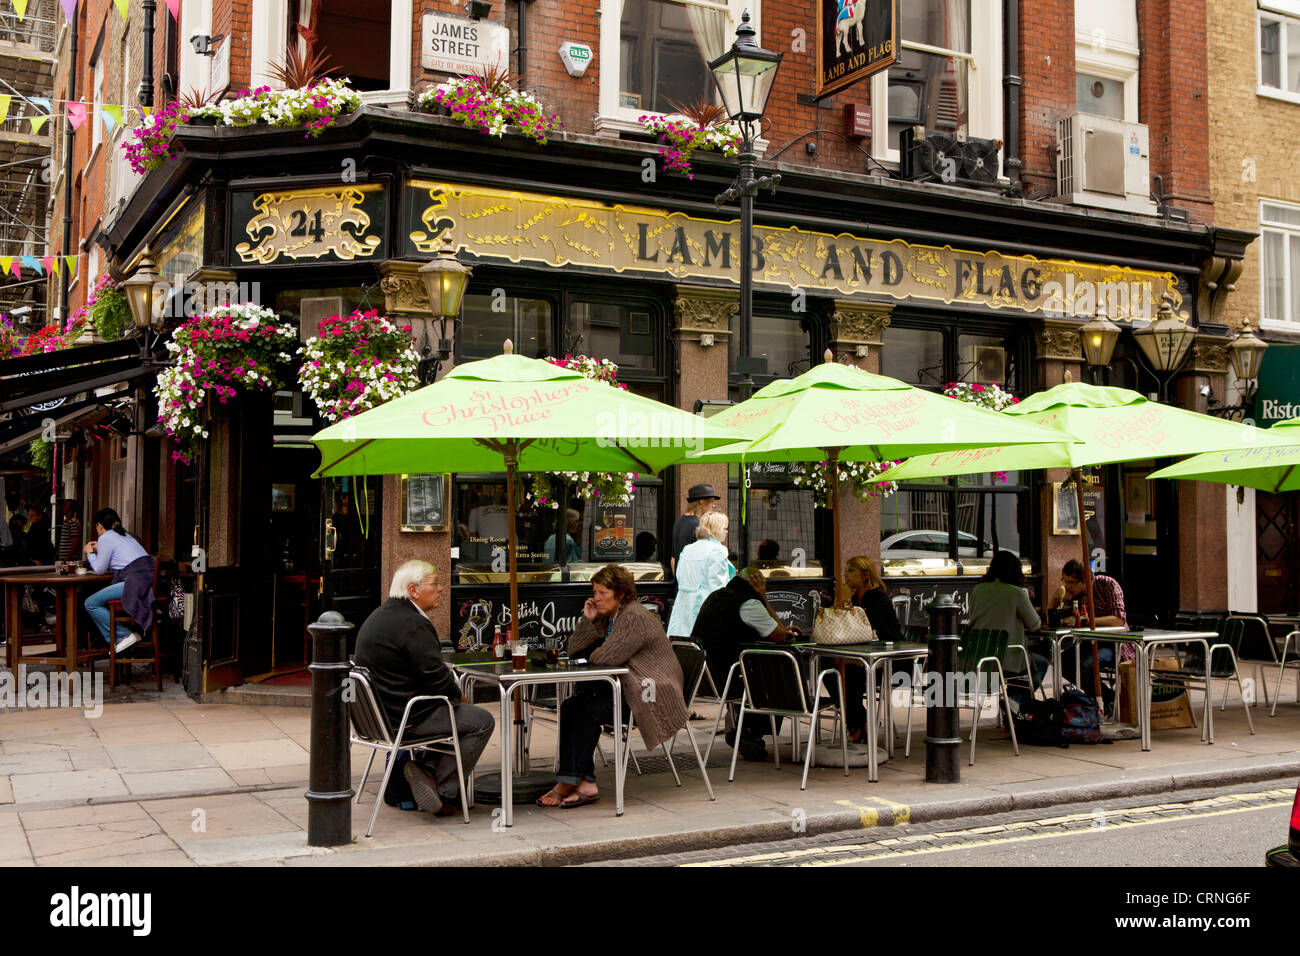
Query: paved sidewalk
(174, 782)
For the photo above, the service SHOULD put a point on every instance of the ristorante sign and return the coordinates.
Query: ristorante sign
(520, 227)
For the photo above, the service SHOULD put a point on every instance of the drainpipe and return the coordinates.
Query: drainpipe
(70, 141)
(1011, 92)
(145, 92)
(523, 39)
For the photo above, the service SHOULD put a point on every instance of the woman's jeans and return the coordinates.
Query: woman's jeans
(97, 606)
(581, 718)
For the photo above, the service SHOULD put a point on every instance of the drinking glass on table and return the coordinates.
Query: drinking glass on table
(519, 656)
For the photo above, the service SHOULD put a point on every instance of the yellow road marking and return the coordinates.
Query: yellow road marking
(868, 813)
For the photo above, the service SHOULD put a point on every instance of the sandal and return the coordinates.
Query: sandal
(552, 806)
(582, 801)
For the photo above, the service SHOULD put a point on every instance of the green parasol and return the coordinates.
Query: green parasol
(1098, 425)
(1273, 465)
(521, 413)
(839, 413)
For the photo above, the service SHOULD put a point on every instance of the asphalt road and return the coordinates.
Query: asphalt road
(1233, 826)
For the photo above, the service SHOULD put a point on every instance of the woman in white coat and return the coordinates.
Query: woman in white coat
(702, 569)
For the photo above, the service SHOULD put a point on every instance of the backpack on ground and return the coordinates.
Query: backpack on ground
(1081, 723)
(1037, 722)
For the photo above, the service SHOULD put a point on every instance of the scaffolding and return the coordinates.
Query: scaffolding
(27, 67)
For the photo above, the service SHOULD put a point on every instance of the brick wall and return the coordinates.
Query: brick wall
(1047, 90)
(1172, 99)
(1251, 143)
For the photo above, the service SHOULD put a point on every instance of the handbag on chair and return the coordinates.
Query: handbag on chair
(842, 625)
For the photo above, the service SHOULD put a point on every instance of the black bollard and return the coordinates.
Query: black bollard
(330, 793)
(942, 731)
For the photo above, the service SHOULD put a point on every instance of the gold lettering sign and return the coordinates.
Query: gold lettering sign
(310, 224)
(528, 227)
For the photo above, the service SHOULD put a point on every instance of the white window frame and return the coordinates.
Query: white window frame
(1115, 61)
(1292, 234)
(613, 118)
(271, 38)
(984, 103)
(1276, 11)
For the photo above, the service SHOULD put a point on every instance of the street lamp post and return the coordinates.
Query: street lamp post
(1166, 343)
(445, 279)
(744, 76)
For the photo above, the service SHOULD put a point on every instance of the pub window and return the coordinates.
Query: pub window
(626, 335)
(948, 74)
(778, 512)
(354, 34)
(1279, 50)
(1279, 227)
(489, 319)
(594, 533)
(1106, 58)
(970, 516)
(784, 342)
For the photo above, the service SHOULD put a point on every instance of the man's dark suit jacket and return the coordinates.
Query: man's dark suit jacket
(399, 646)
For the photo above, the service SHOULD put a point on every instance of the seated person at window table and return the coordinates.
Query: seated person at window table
(866, 591)
(616, 630)
(572, 524)
(399, 646)
(1109, 612)
(730, 618)
(769, 554)
(1000, 602)
(116, 551)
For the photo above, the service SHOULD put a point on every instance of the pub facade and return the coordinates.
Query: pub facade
(590, 243)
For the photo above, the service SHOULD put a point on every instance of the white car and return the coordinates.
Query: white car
(931, 544)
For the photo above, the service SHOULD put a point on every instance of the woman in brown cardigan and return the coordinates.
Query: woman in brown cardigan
(617, 631)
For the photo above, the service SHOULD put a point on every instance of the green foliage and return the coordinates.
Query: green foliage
(111, 314)
(42, 454)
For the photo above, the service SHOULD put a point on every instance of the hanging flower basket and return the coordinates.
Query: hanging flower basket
(602, 487)
(237, 347)
(985, 396)
(358, 362)
(857, 474)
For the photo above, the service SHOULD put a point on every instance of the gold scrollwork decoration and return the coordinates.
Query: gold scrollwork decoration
(310, 224)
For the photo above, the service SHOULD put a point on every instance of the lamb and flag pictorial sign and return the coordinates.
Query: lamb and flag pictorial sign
(855, 38)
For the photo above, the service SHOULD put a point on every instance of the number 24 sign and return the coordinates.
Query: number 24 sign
(334, 223)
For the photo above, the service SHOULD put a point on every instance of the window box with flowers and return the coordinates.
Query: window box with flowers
(695, 126)
(314, 107)
(488, 101)
(358, 362)
(857, 474)
(234, 347)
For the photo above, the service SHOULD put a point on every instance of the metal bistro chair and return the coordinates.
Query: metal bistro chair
(1192, 672)
(1288, 659)
(774, 687)
(902, 608)
(980, 648)
(370, 728)
(692, 661)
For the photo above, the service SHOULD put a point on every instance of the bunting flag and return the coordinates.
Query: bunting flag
(72, 265)
(76, 114)
(13, 267)
(38, 122)
(175, 7)
(21, 7)
(30, 262)
(5, 263)
(4, 105)
(121, 7)
(148, 111)
(42, 101)
(112, 116)
(69, 9)
(51, 263)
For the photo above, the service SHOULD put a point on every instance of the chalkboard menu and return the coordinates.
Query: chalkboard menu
(923, 593)
(545, 613)
(798, 605)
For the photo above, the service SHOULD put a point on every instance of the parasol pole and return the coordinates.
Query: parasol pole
(833, 455)
(1087, 580)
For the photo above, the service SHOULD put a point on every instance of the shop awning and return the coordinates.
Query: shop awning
(28, 383)
(18, 431)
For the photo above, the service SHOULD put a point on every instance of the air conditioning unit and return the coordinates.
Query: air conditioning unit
(948, 158)
(312, 311)
(985, 364)
(1103, 162)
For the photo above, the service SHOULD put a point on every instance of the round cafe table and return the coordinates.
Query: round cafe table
(66, 656)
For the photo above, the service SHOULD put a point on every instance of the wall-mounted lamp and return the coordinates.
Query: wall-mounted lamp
(478, 9)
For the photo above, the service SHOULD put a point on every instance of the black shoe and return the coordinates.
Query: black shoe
(752, 749)
(424, 787)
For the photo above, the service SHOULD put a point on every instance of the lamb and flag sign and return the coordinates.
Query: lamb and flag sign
(855, 38)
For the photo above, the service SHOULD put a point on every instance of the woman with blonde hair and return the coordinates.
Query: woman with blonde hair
(866, 591)
(703, 569)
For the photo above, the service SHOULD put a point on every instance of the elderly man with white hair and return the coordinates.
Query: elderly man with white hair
(399, 646)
